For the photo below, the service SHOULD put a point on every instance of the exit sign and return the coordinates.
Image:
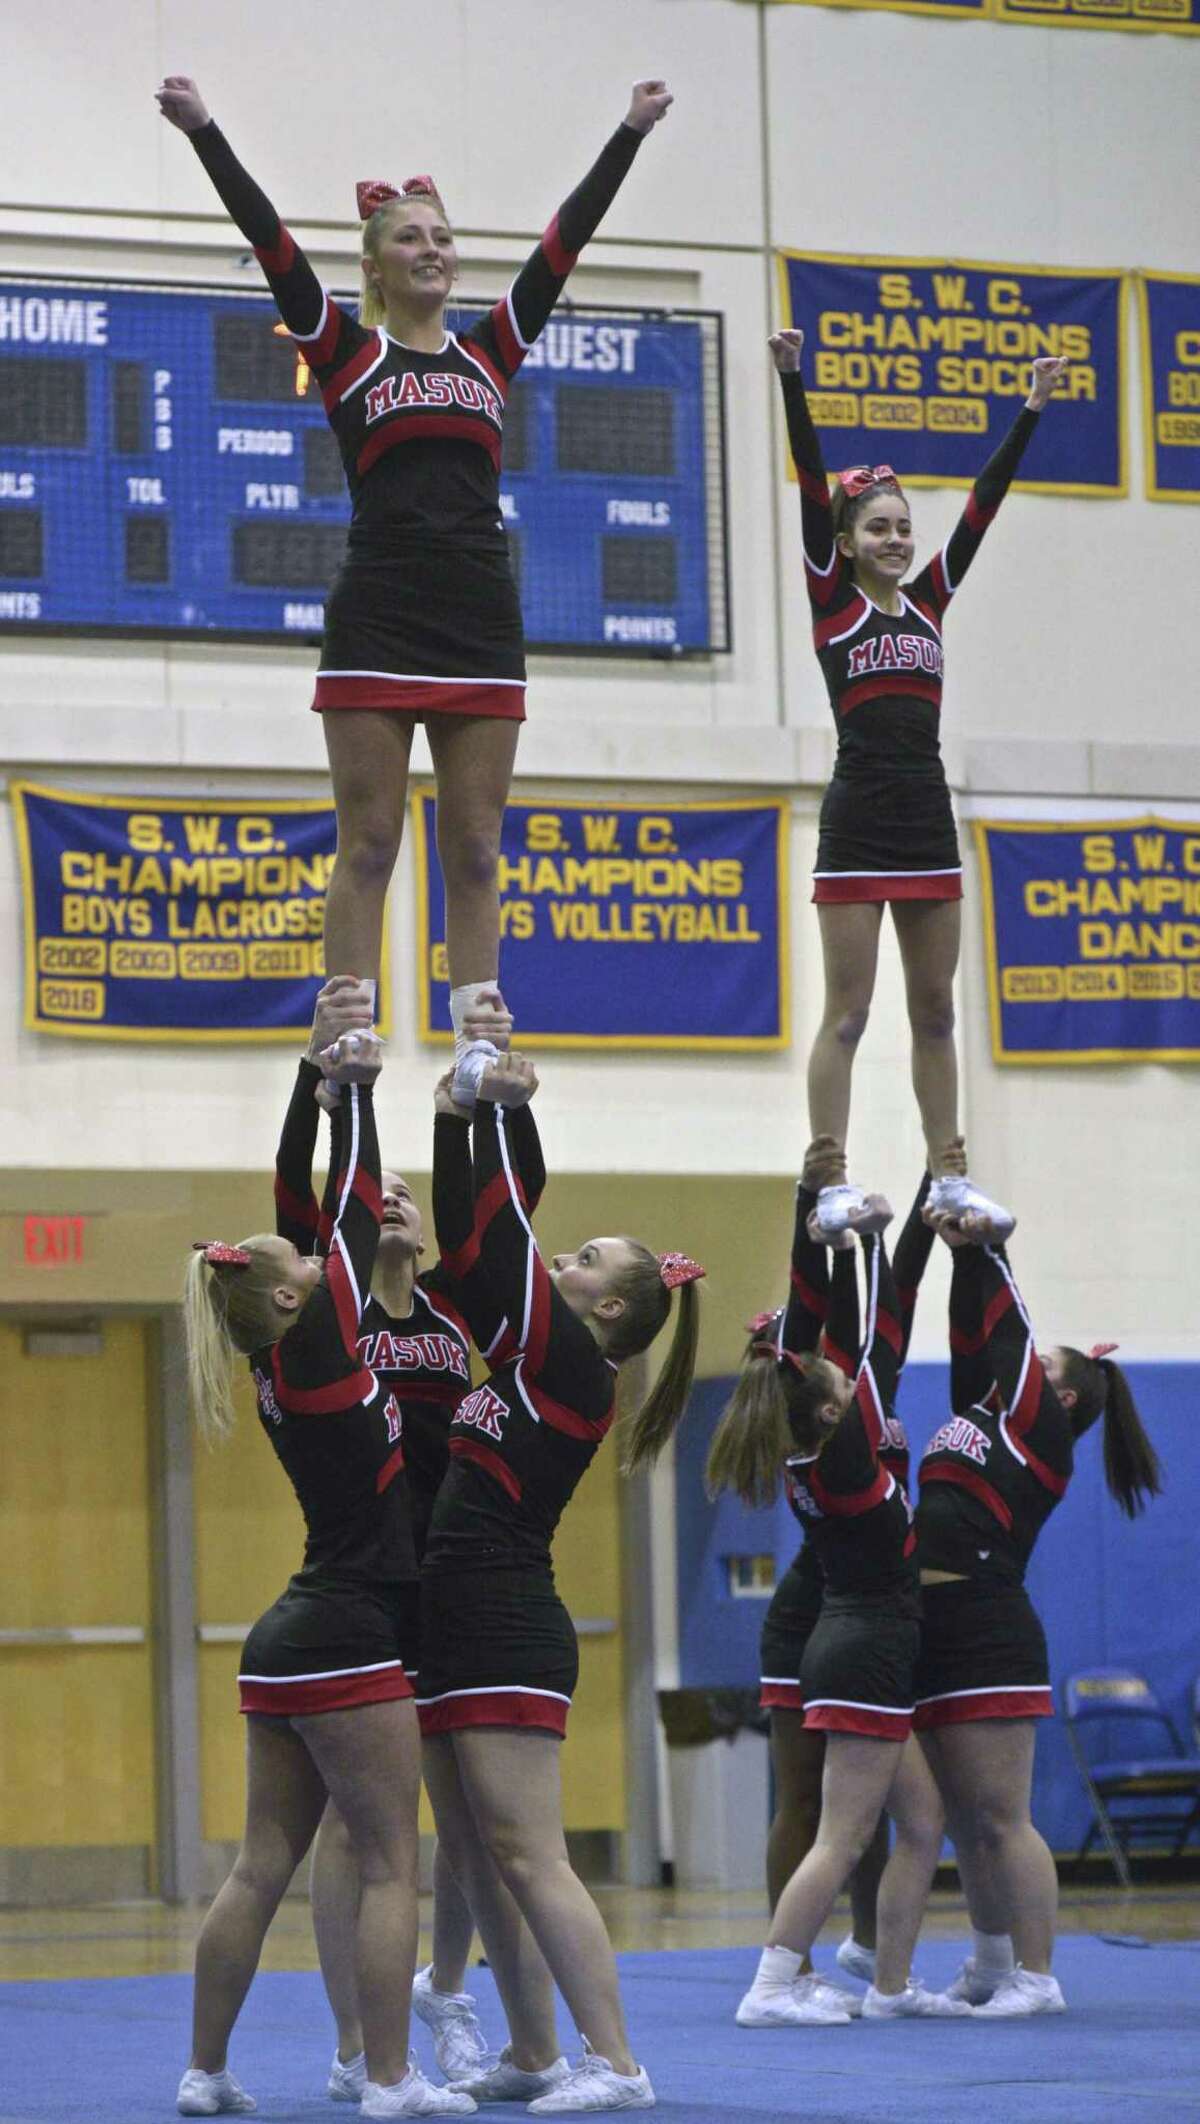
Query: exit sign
(54, 1242)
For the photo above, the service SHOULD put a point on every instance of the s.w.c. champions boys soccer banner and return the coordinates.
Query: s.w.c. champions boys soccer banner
(924, 364)
(628, 925)
(172, 921)
(1092, 934)
(1169, 315)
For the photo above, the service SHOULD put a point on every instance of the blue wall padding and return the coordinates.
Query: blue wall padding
(1110, 1591)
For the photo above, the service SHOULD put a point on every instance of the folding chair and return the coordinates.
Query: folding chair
(1111, 1709)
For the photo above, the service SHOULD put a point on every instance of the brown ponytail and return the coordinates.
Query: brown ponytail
(775, 1409)
(643, 1434)
(1132, 1469)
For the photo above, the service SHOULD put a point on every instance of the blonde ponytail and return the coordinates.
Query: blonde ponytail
(228, 1311)
(752, 1439)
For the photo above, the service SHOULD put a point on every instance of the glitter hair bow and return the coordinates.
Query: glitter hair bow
(218, 1255)
(1102, 1349)
(375, 192)
(858, 478)
(679, 1268)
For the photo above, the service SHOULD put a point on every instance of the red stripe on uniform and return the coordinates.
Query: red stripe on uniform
(842, 1358)
(278, 259)
(558, 258)
(1055, 1483)
(474, 1449)
(889, 1328)
(490, 1201)
(964, 1345)
(389, 1471)
(853, 1503)
(319, 349)
(966, 1479)
(421, 697)
(494, 1707)
(858, 1718)
(325, 1692)
(480, 354)
(344, 1303)
(840, 622)
(324, 1231)
(441, 427)
(366, 1189)
(975, 516)
(816, 489)
(326, 1400)
(997, 1306)
(983, 1703)
(561, 1418)
(298, 1209)
(780, 1696)
(538, 1337)
(1022, 1416)
(334, 389)
(512, 353)
(460, 1263)
(814, 1301)
(887, 685)
(899, 885)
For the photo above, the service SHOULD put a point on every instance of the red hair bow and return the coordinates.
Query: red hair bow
(678, 1268)
(760, 1323)
(375, 192)
(1102, 1349)
(218, 1255)
(857, 478)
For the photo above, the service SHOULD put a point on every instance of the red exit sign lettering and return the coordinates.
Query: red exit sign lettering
(53, 1242)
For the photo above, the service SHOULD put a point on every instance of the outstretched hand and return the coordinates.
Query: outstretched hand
(1048, 373)
(786, 346)
(841, 1244)
(181, 103)
(354, 1058)
(954, 1230)
(343, 1005)
(444, 1103)
(489, 1018)
(511, 1080)
(649, 101)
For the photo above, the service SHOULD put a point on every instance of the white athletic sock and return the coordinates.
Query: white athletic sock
(461, 1001)
(992, 1953)
(777, 1968)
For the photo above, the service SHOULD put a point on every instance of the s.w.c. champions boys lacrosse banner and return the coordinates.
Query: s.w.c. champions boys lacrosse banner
(925, 363)
(1092, 935)
(626, 925)
(1169, 314)
(172, 921)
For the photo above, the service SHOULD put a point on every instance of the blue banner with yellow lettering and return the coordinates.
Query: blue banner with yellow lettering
(924, 364)
(628, 925)
(1180, 16)
(1169, 315)
(171, 921)
(1092, 933)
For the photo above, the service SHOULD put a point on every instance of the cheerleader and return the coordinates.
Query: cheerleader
(423, 622)
(887, 832)
(329, 1708)
(499, 1659)
(855, 1680)
(989, 1480)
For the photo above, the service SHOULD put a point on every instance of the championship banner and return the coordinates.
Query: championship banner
(924, 364)
(1180, 16)
(1169, 315)
(626, 925)
(964, 10)
(1092, 934)
(176, 921)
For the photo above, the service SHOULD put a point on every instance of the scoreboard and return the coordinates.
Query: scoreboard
(166, 469)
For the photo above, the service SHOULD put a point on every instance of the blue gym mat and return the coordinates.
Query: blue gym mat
(110, 2050)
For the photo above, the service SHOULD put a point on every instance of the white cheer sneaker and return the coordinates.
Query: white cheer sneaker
(593, 2085)
(1020, 1993)
(913, 2003)
(414, 2096)
(499, 2080)
(346, 2082)
(953, 1195)
(835, 1207)
(857, 1961)
(972, 1984)
(459, 2043)
(808, 2003)
(212, 2094)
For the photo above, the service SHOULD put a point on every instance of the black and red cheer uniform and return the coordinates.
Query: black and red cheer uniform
(424, 616)
(989, 1480)
(331, 1640)
(498, 1647)
(887, 825)
(857, 1668)
(822, 1313)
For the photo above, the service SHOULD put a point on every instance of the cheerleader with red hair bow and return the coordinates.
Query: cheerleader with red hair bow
(990, 1477)
(423, 622)
(499, 1659)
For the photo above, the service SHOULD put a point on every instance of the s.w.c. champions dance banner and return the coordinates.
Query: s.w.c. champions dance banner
(924, 364)
(1169, 315)
(628, 925)
(172, 921)
(1092, 934)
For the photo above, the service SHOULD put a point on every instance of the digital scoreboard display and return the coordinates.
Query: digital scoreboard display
(166, 469)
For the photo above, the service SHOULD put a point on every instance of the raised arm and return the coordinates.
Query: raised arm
(296, 1214)
(909, 1262)
(822, 572)
(879, 1365)
(808, 1294)
(511, 325)
(971, 1376)
(317, 1364)
(936, 584)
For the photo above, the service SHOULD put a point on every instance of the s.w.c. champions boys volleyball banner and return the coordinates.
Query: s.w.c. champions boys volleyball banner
(172, 921)
(1092, 934)
(1169, 314)
(924, 364)
(628, 925)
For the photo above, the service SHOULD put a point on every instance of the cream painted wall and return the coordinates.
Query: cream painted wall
(976, 140)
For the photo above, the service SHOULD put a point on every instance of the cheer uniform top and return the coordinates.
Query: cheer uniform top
(822, 1313)
(330, 1640)
(989, 1480)
(424, 617)
(497, 1645)
(887, 827)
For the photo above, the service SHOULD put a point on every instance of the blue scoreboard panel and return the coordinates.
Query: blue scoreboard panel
(166, 469)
